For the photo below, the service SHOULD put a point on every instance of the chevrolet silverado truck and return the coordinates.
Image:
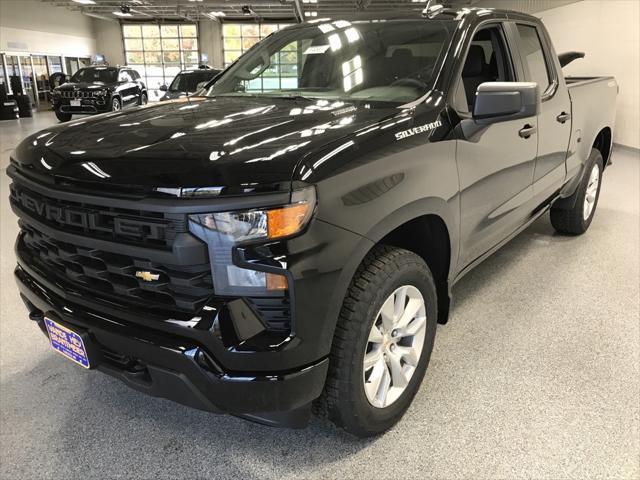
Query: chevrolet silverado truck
(98, 89)
(287, 241)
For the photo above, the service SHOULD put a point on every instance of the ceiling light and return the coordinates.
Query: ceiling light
(85, 2)
(310, 14)
(216, 14)
(122, 14)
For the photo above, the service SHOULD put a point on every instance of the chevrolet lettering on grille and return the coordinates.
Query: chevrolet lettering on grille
(88, 219)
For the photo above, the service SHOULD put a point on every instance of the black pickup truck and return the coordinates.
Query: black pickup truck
(288, 244)
(99, 89)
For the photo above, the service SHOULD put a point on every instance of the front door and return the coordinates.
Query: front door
(495, 162)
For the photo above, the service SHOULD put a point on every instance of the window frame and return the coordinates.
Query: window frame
(505, 29)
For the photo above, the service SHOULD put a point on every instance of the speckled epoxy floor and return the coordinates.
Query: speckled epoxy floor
(536, 376)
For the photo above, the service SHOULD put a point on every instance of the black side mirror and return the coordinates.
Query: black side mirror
(503, 101)
(163, 88)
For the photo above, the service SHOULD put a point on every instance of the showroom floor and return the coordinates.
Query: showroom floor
(536, 376)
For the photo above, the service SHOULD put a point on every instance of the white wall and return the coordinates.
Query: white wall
(608, 31)
(210, 32)
(36, 27)
(109, 40)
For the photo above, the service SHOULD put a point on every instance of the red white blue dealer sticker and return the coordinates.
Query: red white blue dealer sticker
(67, 342)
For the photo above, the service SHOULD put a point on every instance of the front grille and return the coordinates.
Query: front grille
(119, 277)
(133, 227)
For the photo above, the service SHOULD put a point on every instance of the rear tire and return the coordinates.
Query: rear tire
(63, 117)
(347, 397)
(576, 220)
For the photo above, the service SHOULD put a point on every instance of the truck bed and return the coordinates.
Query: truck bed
(573, 81)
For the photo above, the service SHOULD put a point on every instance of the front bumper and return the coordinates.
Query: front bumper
(174, 366)
(87, 106)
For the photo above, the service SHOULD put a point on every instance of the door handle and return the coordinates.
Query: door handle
(527, 131)
(563, 117)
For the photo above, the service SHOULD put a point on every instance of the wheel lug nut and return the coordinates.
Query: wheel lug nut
(394, 333)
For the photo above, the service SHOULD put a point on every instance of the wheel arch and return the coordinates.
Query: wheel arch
(426, 227)
(603, 143)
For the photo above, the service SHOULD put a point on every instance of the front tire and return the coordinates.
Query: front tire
(382, 344)
(576, 219)
(116, 104)
(63, 117)
(143, 99)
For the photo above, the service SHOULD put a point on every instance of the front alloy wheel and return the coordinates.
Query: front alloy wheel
(394, 346)
(382, 343)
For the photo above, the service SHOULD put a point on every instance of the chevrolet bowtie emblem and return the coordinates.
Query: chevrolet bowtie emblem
(147, 276)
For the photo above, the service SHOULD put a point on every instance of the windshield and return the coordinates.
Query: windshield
(188, 81)
(95, 75)
(380, 61)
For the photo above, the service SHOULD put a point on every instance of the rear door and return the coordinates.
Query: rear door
(495, 162)
(540, 65)
(127, 88)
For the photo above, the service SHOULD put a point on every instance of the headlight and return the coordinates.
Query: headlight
(224, 231)
(99, 93)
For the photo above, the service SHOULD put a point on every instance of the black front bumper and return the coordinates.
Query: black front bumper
(88, 106)
(175, 367)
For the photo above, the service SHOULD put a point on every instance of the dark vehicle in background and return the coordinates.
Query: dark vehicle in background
(99, 89)
(288, 238)
(188, 81)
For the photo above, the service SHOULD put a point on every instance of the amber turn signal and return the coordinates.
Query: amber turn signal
(289, 220)
(276, 282)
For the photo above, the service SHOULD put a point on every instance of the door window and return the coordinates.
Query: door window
(533, 56)
(125, 77)
(488, 60)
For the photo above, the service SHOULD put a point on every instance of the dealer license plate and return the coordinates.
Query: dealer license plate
(67, 342)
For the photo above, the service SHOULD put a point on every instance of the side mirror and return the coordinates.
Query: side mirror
(163, 88)
(504, 101)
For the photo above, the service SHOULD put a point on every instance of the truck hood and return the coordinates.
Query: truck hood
(223, 141)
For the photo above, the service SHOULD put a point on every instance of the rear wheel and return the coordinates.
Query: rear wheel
(382, 344)
(576, 219)
(63, 117)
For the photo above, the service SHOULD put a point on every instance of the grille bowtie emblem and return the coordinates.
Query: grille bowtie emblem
(147, 276)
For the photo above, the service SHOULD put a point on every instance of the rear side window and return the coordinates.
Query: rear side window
(533, 56)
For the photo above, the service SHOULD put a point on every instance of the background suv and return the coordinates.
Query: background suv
(187, 82)
(99, 89)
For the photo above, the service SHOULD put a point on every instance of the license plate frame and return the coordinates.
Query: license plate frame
(71, 344)
(76, 103)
